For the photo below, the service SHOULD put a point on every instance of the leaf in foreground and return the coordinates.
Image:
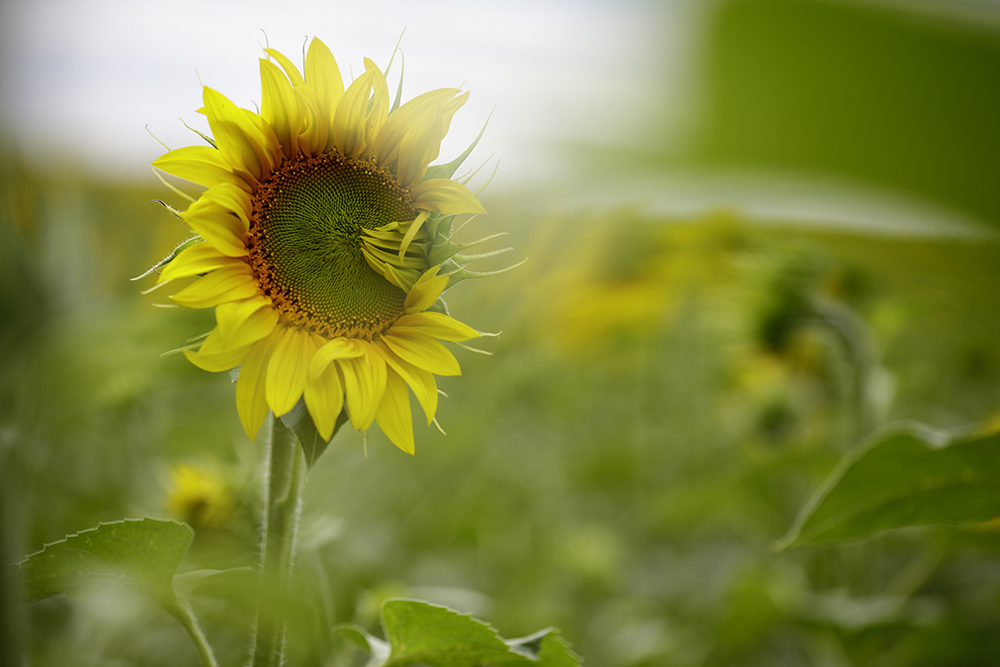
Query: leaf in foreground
(420, 633)
(141, 554)
(906, 477)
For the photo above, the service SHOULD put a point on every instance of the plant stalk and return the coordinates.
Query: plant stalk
(283, 484)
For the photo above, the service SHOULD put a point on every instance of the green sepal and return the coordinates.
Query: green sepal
(300, 422)
(181, 247)
(448, 170)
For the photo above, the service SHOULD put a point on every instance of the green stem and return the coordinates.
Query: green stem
(283, 484)
(181, 610)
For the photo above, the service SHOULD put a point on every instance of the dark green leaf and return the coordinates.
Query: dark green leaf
(141, 554)
(420, 633)
(906, 477)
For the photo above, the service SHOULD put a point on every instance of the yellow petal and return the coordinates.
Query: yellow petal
(290, 69)
(364, 384)
(247, 143)
(425, 291)
(324, 396)
(393, 414)
(420, 381)
(445, 196)
(214, 363)
(230, 283)
(314, 132)
(219, 226)
(199, 164)
(411, 233)
(412, 116)
(197, 259)
(423, 352)
(280, 107)
(287, 370)
(338, 348)
(323, 76)
(434, 324)
(251, 400)
(232, 199)
(245, 322)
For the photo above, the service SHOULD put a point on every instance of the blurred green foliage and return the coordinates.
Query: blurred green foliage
(665, 396)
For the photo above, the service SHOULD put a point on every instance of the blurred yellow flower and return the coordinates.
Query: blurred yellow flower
(199, 496)
(316, 246)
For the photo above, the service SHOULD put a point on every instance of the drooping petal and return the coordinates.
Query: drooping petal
(338, 348)
(219, 226)
(434, 324)
(230, 283)
(246, 321)
(423, 352)
(425, 291)
(251, 400)
(393, 413)
(324, 397)
(421, 382)
(364, 384)
(445, 196)
(203, 165)
(287, 370)
(217, 362)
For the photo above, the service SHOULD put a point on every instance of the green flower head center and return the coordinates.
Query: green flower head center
(305, 244)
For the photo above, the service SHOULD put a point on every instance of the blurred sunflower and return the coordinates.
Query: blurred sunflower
(199, 496)
(319, 223)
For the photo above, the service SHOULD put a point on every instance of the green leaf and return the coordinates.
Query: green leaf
(141, 554)
(420, 633)
(300, 422)
(910, 476)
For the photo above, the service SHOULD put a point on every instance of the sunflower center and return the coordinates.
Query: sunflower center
(305, 244)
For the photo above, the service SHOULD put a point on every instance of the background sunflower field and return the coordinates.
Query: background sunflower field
(757, 232)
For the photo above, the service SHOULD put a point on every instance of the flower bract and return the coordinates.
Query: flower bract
(317, 230)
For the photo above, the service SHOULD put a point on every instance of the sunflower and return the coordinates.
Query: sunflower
(315, 236)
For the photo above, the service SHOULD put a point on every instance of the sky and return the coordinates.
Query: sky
(80, 81)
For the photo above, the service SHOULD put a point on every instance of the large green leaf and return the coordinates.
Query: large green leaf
(420, 633)
(909, 476)
(141, 554)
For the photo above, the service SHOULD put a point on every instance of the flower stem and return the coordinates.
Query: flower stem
(181, 610)
(283, 484)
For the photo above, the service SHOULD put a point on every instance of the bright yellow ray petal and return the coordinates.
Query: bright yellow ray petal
(251, 400)
(425, 291)
(324, 396)
(412, 116)
(203, 165)
(434, 324)
(290, 69)
(280, 107)
(423, 352)
(314, 133)
(287, 370)
(445, 196)
(197, 259)
(247, 143)
(232, 199)
(323, 76)
(230, 283)
(393, 413)
(348, 127)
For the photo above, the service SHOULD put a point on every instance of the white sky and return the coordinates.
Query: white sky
(80, 80)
